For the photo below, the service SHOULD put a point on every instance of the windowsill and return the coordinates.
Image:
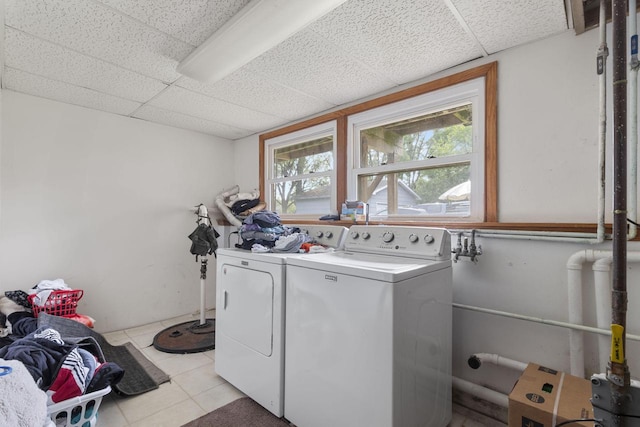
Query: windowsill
(514, 226)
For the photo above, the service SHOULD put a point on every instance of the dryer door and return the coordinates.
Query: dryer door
(245, 312)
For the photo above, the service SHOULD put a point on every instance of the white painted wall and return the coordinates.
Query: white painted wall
(547, 160)
(548, 157)
(247, 162)
(105, 202)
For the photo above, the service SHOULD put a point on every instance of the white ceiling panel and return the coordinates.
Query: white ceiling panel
(171, 118)
(31, 84)
(25, 52)
(197, 105)
(98, 31)
(499, 24)
(253, 91)
(191, 21)
(308, 63)
(378, 33)
(121, 56)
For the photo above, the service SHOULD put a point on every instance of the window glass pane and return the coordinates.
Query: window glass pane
(305, 196)
(304, 158)
(444, 133)
(442, 191)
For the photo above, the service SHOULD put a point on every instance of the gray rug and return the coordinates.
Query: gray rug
(243, 412)
(140, 374)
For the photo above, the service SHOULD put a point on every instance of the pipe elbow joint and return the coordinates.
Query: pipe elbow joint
(576, 260)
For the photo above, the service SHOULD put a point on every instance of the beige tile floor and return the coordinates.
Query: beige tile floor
(194, 390)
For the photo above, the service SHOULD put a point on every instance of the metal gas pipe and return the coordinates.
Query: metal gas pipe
(617, 370)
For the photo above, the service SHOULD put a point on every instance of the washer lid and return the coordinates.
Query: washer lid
(370, 266)
(273, 258)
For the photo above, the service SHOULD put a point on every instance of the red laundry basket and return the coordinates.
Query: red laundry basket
(59, 303)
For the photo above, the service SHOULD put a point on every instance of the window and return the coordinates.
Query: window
(421, 157)
(301, 171)
(426, 154)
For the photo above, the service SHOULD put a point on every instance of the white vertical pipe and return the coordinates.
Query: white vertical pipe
(602, 283)
(602, 129)
(632, 122)
(575, 309)
(574, 294)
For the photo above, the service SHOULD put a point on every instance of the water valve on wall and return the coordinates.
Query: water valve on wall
(466, 247)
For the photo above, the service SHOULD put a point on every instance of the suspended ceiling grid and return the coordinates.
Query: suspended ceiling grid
(120, 56)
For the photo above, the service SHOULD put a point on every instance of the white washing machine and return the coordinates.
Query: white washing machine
(369, 331)
(250, 299)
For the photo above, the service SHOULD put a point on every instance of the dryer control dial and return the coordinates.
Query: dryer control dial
(328, 234)
(387, 237)
(319, 234)
(366, 235)
(429, 238)
(354, 234)
(413, 238)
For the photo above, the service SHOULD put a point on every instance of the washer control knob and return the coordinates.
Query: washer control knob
(354, 234)
(366, 235)
(387, 237)
(319, 234)
(429, 238)
(413, 238)
(328, 234)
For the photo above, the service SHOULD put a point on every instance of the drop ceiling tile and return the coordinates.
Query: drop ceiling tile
(31, 84)
(402, 40)
(99, 31)
(307, 63)
(502, 24)
(191, 21)
(253, 91)
(194, 104)
(171, 118)
(36, 56)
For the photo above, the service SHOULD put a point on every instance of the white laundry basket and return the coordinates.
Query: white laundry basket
(79, 411)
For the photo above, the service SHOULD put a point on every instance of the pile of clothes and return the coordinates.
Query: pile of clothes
(63, 367)
(263, 232)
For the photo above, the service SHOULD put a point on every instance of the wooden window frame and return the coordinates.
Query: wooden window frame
(292, 139)
(490, 74)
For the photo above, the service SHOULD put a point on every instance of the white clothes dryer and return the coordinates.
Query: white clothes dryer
(250, 308)
(369, 331)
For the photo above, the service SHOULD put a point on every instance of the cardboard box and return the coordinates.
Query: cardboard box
(543, 397)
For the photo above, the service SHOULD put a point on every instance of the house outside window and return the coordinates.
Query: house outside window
(300, 170)
(421, 157)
